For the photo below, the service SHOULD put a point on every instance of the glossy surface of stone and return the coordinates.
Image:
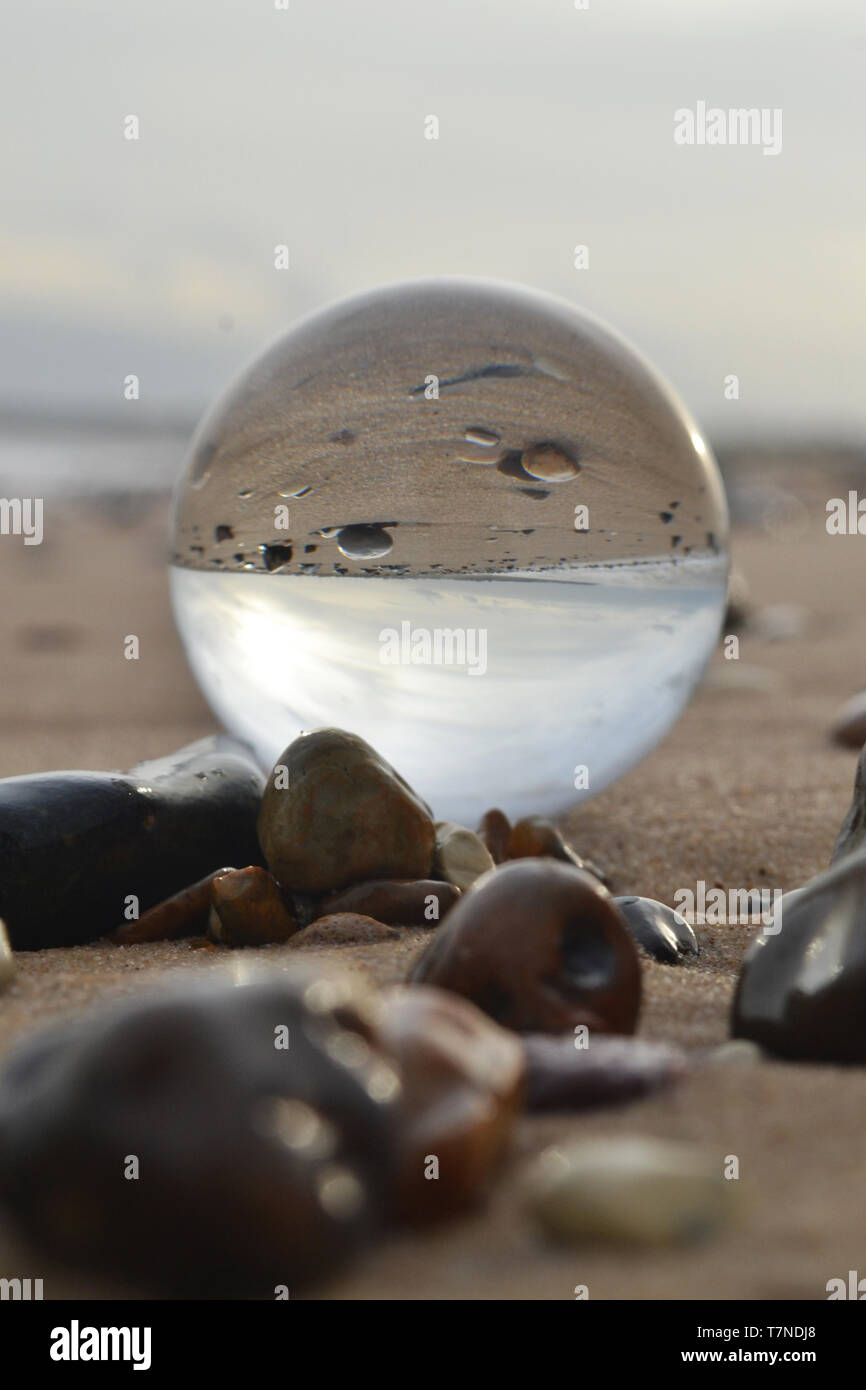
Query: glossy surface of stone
(260, 1117)
(340, 814)
(539, 946)
(249, 909)
(462, 1089)
(663, 933)
(801, 990)
(75, 845)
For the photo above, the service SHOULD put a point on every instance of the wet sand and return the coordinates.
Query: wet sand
(746, 792)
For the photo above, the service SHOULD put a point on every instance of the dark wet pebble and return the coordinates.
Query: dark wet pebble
(540, 947)
(663, 933)
(76, 846)
(215, 1140)
(802, 985)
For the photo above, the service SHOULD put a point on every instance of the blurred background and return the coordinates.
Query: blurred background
(304, 126)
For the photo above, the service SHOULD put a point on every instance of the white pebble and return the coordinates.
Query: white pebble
(638, 1190)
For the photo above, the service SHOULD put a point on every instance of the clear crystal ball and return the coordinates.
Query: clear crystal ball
(464, 520)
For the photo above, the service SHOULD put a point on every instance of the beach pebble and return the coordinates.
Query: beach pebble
(215, 1139)
(852, 836)
(461, 856)
(344, 929)
(7, 960)
(539, 946)
(849, 726)
(535, 836)
(422, 903)
(76, 846)
(249, 910)
(638, 1191)
(663, 933)
(494, 830)
(334, 813)
(184, 914)
(462, 1089)
(801, 989)
(560, 1075)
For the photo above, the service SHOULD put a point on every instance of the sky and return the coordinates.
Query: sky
(305, 127)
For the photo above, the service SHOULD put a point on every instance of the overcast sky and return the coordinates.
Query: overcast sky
(261, 126)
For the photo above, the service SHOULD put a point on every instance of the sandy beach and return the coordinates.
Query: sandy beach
(747, 791)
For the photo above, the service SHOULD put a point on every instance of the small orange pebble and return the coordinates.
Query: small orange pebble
(181, 915)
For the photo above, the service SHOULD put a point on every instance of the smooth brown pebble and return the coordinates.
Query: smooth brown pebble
(462, 1089)
(535, 836)
(334, 813)
(540, 947)
(495, 830)
(422, 903)
(248, 910)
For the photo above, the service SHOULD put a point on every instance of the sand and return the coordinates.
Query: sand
(746, 791)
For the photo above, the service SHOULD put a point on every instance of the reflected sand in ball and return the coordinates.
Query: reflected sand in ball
(466, 521)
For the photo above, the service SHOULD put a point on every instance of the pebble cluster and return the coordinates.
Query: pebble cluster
(311, 1111)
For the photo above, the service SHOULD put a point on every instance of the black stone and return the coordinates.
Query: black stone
(663, 933)
(74, 845)
(236, 1137)
(802, 990)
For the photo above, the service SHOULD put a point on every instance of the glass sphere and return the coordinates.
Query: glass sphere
(464, 520)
